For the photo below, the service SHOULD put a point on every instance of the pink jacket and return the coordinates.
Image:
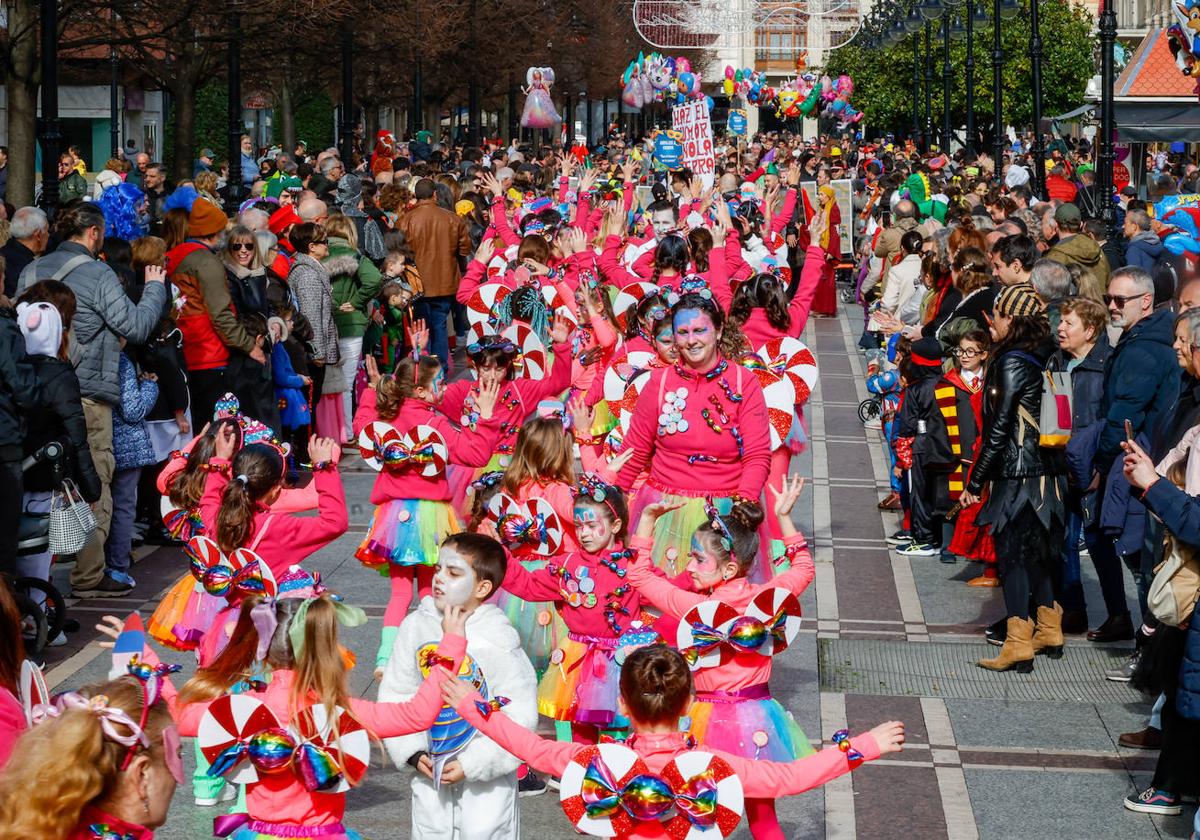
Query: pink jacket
(12, 723)
(760, 779)
(465, 447)
(290, 539)
(758, 329)
(281, 797)
(518, 400)
(745, 669)
(674, 465)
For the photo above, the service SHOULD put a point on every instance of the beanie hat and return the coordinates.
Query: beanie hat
(282, 219)
(927, 352)
(464, 207)
(1021, 299)
(183, 197)
(205, 219)
(41, 324)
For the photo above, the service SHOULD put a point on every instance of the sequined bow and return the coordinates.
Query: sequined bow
(397, 455)
(429, 659)
(746, 634)
(274, 750)
(183, 524)
(486, 707)
(103, 831)
(223, 581)
(841, 740)
(516, 529)
(647, 796)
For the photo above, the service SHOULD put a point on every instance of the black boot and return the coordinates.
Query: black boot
(997, 633)
(1116, 628)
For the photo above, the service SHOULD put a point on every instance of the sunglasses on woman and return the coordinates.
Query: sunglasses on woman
(241, 246)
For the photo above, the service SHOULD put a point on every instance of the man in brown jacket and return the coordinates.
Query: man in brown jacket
(887, 247)
(438, 238)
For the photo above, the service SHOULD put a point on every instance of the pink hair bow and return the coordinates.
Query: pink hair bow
(109, 716)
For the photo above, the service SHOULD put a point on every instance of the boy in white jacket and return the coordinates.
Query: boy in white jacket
(477, 797)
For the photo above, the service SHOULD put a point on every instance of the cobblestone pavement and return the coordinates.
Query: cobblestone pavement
(992, 756)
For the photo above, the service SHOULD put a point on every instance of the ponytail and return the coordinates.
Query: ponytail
(257, 470)
(403, 383)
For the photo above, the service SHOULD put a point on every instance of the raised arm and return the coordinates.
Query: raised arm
(386, 720)
(539, 753)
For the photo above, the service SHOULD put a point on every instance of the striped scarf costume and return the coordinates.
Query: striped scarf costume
(946, 396)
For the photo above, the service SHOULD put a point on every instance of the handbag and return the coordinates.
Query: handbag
(72, 522)
(1176, 584)
(1057, 409)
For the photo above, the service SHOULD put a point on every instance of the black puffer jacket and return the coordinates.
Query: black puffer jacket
(1009, 447)
(60, 417)
(20, 390)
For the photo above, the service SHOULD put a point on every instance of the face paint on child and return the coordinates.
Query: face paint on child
(664, 344)
(703, 566)
(454, 582)
(593, 528)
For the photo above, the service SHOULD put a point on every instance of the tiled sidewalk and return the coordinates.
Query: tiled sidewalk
(883, 637)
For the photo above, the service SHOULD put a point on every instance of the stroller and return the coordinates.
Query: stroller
(43, 610)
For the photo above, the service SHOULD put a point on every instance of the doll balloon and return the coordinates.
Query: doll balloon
(539, 107)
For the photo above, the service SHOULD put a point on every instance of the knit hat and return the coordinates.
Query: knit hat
(275, 320)
(349, 190)
(1021, 299)
(282, 219)
(205, 220)
(41, 324)
(275, 186)
(464, 207)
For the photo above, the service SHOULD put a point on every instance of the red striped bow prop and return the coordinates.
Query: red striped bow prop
(713, 632)
(787, 371)
(608, 791)
(237, 575)
(180, 523)
(421, 449)
(526, 528)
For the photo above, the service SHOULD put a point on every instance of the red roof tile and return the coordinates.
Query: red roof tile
(1152, 71)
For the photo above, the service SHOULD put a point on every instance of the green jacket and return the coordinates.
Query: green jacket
(72, 187)
(355, 280)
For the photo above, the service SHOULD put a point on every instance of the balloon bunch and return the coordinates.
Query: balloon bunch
(1181, 214)
(1183, 37)
(747, 83)
(796, 97)
(658, 78)
(836, 98)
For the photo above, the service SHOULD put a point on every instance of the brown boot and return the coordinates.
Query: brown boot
(1048, 637)
(1017, 653)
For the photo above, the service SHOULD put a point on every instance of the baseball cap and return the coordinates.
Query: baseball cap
(1067, 214)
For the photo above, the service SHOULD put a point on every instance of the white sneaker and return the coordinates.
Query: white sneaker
(227, 794)
(59, 640)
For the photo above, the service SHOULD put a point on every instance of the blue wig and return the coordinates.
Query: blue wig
(122, 205)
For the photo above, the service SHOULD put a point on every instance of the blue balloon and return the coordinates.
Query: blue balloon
(1178, 243)
(708, 100)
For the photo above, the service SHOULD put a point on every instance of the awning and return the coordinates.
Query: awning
(1071, 116)
(1158, 122)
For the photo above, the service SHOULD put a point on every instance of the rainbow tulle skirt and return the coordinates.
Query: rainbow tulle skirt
(582, 683)
(754, 727)
(184, 615)
(538, 624)
(407, 532)
(674, 529)
(272, 831)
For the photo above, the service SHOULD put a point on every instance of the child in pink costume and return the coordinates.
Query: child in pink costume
(413, 513)
(278, 805)
(589, 589)
(733, 710)
(655, 691)
(672, 262)
(700, 426)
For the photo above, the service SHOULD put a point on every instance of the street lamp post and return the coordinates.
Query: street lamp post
(946, 131)
(1035, 55)
(997, 90)
(928, 85)
(349, 118)
(916, 103)
(114, 105)
(1107, 157)
(50, 136)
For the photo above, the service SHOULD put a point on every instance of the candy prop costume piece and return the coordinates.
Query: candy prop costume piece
(421, 448)
(539, 107)
(129, 644)
(608, 791)
(180, 524)
(621, 371)
(628, 298)
(234, 576)
(450, 734)
(712, 632)
(701, 632)
(526, 528)
(334, 754)
(32, 691)
(532, 362)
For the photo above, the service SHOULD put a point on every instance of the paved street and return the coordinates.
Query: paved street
(990, 756)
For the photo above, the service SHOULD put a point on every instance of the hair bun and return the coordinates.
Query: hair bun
(749, 515)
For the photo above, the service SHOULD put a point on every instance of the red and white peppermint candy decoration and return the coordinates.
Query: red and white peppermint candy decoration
(791, 357)
(624, 366)
(559, 305)
(625, 303)
(532, 361)
(480, 306)
(780, 397)
(372, 439)
(421, 438)
(633, 392)
(349, 745)
(624, 764)
(688, 774)
(773, 602)
(715, 614)
(31, 687)
(526, 528)
(229, 719)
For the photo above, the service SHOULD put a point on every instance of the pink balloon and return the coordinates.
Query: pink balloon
(728, 72)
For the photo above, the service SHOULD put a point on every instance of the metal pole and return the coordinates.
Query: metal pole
(50, 136)
(1107, 157)
(916, 103)
(114, 105)
(970, 13)
(1035, 54)
(997, 90)
(349, 115)
(928, 86)
(947, 135)
(234, 187)
(587, 111)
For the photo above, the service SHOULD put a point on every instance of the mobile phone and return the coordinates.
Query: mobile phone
(1128, 431)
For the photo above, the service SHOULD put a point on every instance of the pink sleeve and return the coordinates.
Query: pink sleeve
(610, 264)
(806, 290)
(641, 438)
(528, 585)
(643, 266)
(656, 589)
(539, 753)
(210, 502)
(366, 413)
(606, 336)
(455, 397)
(12, 723)
(592, 461)
(770, 779)
(390, 720)
(471, 280)
(534, 391)
(789, 207)
(756, 437)
(797, 578)
(187, 718)
(583, 215)
(467, 447)
(174, 467)
(500, 222)
(718, 279)
(627, 190)
(735, 263)
(563, 183)
(304, 535)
